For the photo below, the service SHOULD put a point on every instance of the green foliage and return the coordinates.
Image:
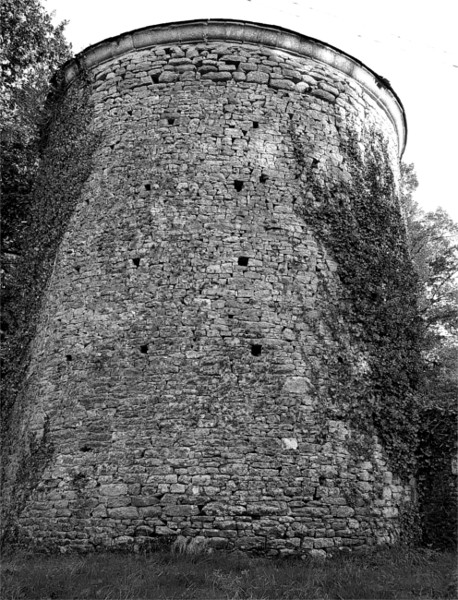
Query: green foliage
(31, 49)
(65, 164)
(436, 479)
(433, 243)
(358, 221)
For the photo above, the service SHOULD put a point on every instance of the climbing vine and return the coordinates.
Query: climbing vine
(357, 219)
(437, 477)
(67, 147)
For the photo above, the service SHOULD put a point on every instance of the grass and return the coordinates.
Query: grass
(398, 574)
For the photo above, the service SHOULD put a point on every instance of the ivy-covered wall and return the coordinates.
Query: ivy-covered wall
(67, 142)
(357, 218)
(222, 340)
(438, 477)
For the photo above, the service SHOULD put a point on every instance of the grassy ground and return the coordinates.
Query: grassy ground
(391, 574)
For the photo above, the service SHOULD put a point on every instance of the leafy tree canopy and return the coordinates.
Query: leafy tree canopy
(433, 241)
(31, 49)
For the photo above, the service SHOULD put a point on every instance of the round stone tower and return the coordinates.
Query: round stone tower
(222, 200)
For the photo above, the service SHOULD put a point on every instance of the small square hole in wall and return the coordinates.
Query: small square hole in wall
(136, 262)
(144, 349)
(238, 185)
(68, 357)
(255, 125)
(263, 178)
(148, 187)
(171, 121)
(256, 349)
(243, 261)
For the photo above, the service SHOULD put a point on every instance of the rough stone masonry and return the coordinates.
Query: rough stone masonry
(179, 372)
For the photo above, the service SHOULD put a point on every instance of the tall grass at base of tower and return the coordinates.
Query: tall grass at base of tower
(395, 574)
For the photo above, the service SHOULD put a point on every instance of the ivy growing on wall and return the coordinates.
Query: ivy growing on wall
(357, 219)
(437, 477)
(68, 145)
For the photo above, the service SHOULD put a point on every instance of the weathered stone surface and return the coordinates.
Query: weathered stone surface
(296, 385)
(113, 489)
(124, 512)
(257, 77)
(282, 84)
(168, 77)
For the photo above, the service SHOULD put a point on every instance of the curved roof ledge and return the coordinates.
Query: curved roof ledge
(209, 30)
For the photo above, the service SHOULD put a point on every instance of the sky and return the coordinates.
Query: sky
(412, 43)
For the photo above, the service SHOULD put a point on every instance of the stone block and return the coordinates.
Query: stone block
(282, 84)
(180, 510)
(218, 76)
(99, 511)
(343, 511)
(323, 543)
(168, 77)
(144, 500)
(124, 512)
(257, 77)
(150, 511)
(113, 489)
(323, 95)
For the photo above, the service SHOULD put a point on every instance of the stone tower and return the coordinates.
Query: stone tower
(210, 349)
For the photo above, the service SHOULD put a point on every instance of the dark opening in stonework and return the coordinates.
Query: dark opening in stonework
(256, 349)
(144, 349)
(86, 448)
(238, 185)
(77, 268)
(68, 357)
(243, 261)
(148, 187)
(255, 124)
(322, 480)
(136, 262)
(155, 77)
(230, 316)
(314, 162)
(171, 121)
(263, 178)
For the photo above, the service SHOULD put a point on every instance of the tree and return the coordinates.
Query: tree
(31, 49)
(433, 242)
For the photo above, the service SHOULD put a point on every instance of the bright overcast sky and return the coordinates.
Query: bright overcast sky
(413, 43)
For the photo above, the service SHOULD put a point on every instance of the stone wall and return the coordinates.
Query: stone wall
(180, 374)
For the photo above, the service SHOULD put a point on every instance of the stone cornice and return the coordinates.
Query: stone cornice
(245, 32)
